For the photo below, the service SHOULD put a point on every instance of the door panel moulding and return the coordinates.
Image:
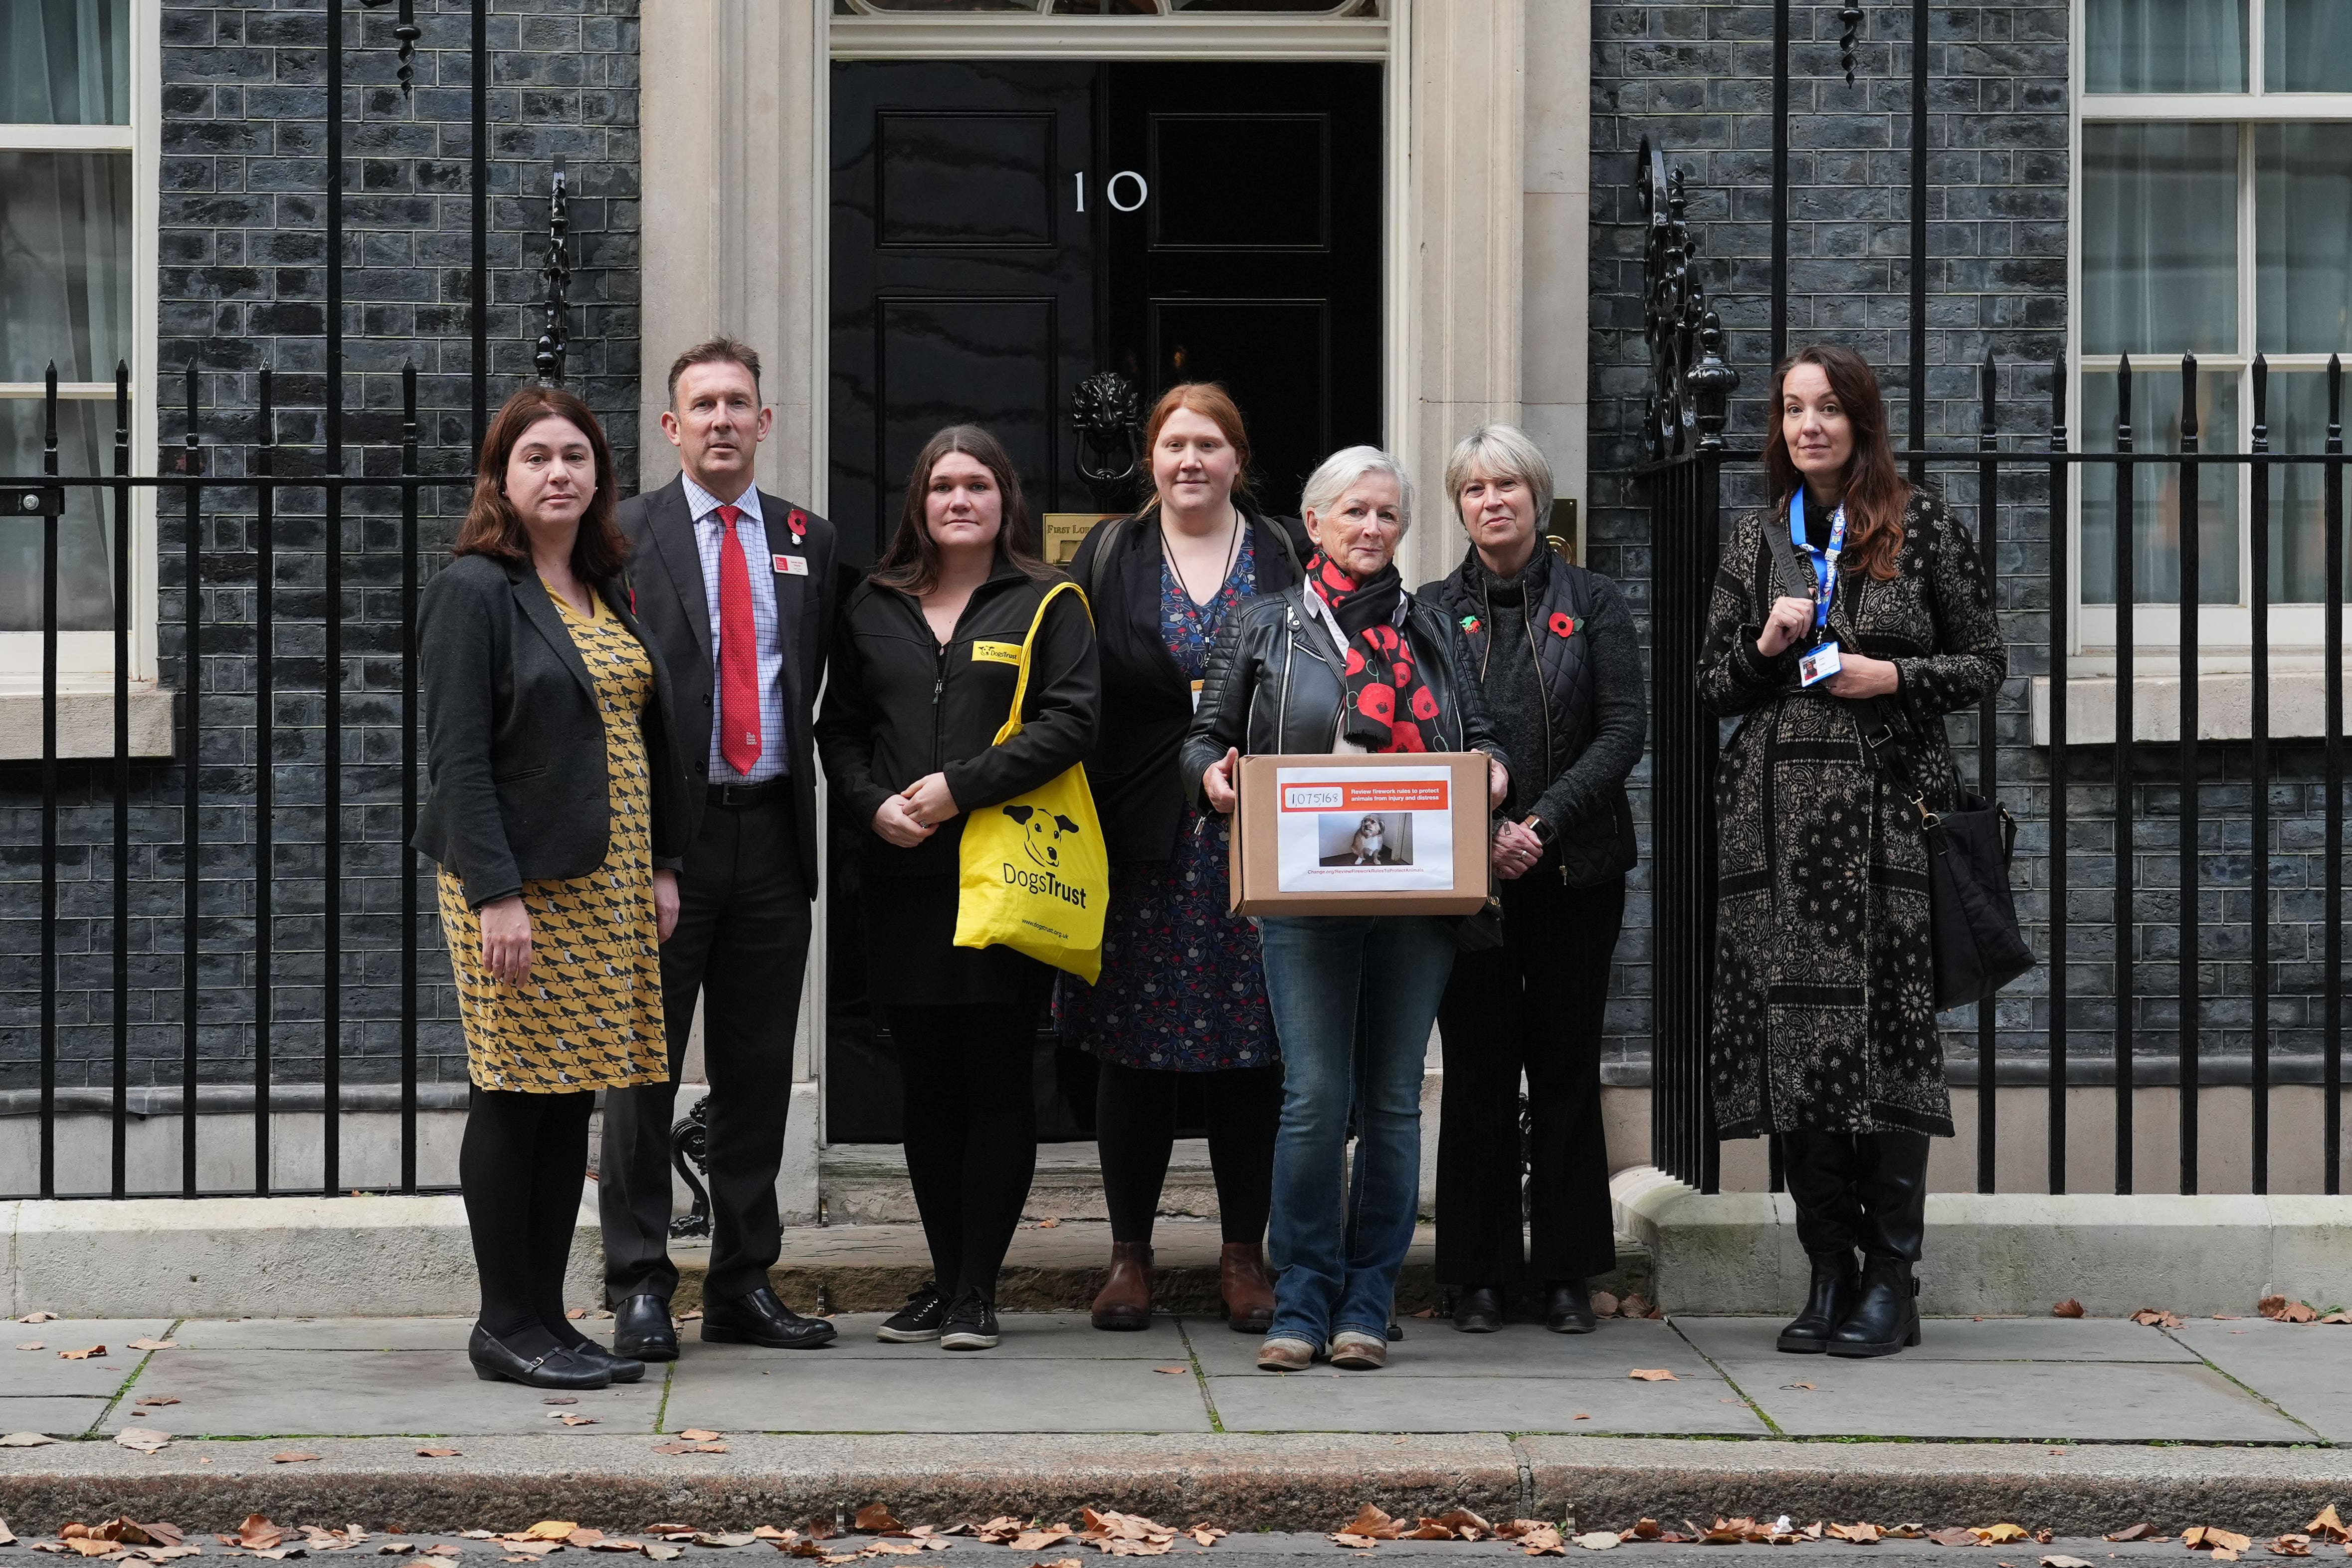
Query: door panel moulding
(1000, 37)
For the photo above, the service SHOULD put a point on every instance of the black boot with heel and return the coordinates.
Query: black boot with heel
(1821, 1169)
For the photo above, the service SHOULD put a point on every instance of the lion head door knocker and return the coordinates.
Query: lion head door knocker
(1107, 417)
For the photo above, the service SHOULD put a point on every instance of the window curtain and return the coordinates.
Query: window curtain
(2156, 490)
(2167, 45)
(2307, 46)
(2303, 244)
(2298, 423)
(2160, 238)
(65, 288)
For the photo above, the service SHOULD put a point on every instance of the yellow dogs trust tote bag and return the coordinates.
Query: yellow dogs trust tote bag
(1035, 872)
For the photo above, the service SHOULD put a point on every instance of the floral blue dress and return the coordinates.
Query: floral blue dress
(1182, 988)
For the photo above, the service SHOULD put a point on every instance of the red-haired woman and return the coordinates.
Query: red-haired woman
(1182, 990)
(1824, 1013)
(555, 811)
(925, 658)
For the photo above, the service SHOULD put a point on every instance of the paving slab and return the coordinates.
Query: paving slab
(43, 1371)
(1432, 1347)
(932, 1390)
(2120, 1402)
(58, 1416)
(2304, 1368)
(1696, 1406)
(329, 1334)
(1962, 1339)
(272, 1393)
(1049, 1336)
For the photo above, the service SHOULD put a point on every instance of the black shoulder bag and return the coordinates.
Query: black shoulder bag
(1974, 936)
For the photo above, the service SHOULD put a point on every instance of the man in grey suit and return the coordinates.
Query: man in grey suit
(736, 588)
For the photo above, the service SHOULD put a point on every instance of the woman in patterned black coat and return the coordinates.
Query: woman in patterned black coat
(1825, 1012)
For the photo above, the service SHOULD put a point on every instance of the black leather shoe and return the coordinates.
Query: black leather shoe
(1569, 1310)
(622, 1368)
(1478, 1309)
(757, 1318)
(642, 1330)
(1835, 1285)
(494, 1362)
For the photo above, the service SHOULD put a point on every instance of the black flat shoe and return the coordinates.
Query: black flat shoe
(1569, 1310)
(1478, 1309)
(494, 1362)
(642, 1330)
(623, 1368)
(757, 1318)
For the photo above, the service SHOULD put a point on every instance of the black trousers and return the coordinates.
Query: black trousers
(971, 1130)
(741, 945)
(520, 1166)
(1135, 1131)
(1533, 1005)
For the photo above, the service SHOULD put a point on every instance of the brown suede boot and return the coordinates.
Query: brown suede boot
(1126, 1299)
(1243, 1281)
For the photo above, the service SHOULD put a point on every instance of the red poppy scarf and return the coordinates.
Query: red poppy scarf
(1388, 701)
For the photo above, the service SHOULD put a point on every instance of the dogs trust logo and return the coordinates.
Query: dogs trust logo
(1041, 840)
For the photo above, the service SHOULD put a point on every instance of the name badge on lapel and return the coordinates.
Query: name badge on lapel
(791, 565)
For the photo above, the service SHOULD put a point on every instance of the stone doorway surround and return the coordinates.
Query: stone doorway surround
(1485, 253)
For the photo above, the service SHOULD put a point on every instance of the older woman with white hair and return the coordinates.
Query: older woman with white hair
(1560, 665)
(1346, 661)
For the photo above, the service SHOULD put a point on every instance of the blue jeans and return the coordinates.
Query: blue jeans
(1322, 972)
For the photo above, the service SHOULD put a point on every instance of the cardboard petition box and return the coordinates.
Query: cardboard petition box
(1397, 834)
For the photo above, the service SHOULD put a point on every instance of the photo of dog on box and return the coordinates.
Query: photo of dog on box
(1372, 839)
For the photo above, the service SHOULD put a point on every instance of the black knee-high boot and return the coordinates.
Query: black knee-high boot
(1894, 1192)
(1821, 1169)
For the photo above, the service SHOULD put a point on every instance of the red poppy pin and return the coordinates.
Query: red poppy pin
(1563, 625)
(798, 522)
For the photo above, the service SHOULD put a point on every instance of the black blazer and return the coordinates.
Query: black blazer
(1147, 701)
(901, 705)
(665, 578)
(514, 742)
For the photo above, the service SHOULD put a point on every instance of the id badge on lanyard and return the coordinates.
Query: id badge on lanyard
(1822, 661)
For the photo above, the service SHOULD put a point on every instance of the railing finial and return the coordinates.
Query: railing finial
(1690, 383)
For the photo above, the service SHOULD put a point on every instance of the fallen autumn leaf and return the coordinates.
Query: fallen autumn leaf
(1596, 1540)
(438, 1454)
(145, 1439)
(1652, 1374)
(81, 1355)
(2069, 1307)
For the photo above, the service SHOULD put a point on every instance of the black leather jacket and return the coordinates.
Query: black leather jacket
(1275, 685)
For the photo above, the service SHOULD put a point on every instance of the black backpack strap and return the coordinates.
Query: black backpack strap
(1105, 536)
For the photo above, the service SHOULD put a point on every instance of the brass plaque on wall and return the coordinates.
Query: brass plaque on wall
(1066, 531)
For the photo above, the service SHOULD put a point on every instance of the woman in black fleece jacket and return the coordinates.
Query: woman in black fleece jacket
(925, 658)
(1560, 664)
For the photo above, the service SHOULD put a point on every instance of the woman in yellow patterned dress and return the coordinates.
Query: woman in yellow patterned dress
(553, 810)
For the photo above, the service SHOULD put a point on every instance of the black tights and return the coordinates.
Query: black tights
(521, 1165)
(1135, 1128)
(970, 1131)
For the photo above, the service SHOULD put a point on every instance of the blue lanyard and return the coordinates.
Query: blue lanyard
(1824, 563)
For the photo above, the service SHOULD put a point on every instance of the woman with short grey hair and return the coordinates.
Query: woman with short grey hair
(1346, 661)
(1555, 655)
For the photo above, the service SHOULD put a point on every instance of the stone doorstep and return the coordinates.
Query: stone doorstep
(399, 1256)
(1059, 1267)
(2008, 1253)
(1240, 1481)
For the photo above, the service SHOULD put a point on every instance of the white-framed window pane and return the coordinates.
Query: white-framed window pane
(2298, 423)
(2303, 250)
(65, 264)
(2166, 46)
(65, 62)
(2156, 488)
(2160, 238)
(85, 536)
(2307, 46)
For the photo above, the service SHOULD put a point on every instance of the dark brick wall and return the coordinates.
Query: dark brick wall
(244, 252)
(1696, 79)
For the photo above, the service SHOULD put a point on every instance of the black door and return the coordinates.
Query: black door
(963, 273)
(1002, 230)
(1252, 256)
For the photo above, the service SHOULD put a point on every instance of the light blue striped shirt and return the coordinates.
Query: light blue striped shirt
(751, 531)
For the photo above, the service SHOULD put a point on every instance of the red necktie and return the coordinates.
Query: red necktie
(739, 651)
